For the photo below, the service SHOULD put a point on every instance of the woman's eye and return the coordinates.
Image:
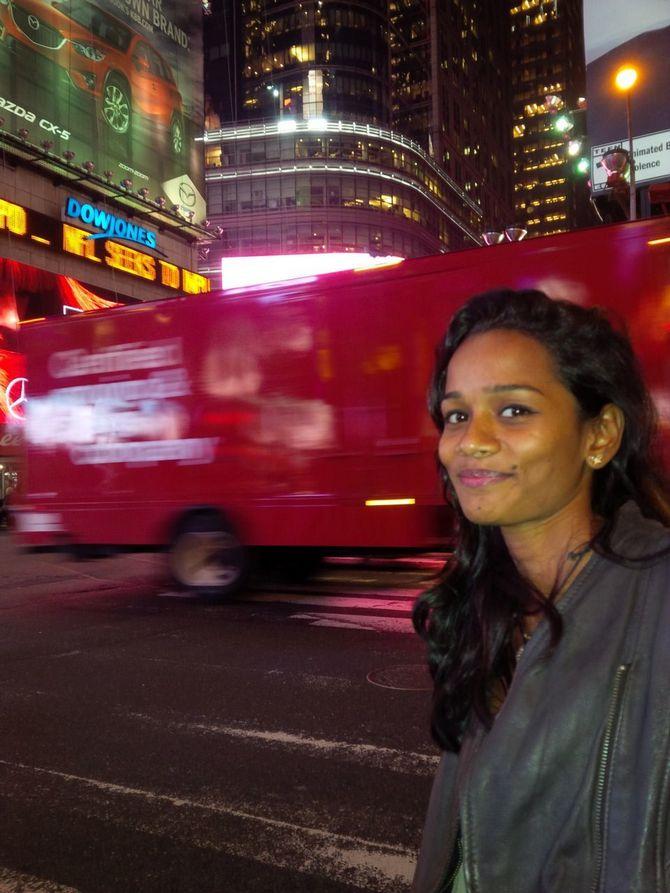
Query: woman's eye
(454, 416)
(515, 411)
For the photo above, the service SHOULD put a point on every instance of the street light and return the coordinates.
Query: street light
(624, 80)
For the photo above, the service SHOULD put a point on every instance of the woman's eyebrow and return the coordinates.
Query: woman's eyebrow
(496, 389)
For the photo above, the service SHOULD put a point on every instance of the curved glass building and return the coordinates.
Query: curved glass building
(296, 186)
(319, 155)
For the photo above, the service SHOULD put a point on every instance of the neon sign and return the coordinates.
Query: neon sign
(109, 226)
(15, 220)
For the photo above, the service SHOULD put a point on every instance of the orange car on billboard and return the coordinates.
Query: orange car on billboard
(103, 57)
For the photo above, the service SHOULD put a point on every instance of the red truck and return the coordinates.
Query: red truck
(288, 419)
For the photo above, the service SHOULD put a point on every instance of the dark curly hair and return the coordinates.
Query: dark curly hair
(469, 618)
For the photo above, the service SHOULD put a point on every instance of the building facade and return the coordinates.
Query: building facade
(344, 138)
(101, 178)
(296, 186)
(451, 89)
(549, 78)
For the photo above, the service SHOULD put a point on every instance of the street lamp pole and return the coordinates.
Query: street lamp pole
(632, 215)
(624, 80)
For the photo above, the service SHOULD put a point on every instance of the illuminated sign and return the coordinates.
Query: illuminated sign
(15, 397)
(16, 220)
(237, 272)
(109, 225)
(13, 218)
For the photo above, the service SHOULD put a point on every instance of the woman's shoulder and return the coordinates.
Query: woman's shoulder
(644, 541)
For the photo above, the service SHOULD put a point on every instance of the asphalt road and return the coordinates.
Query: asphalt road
(153, 742)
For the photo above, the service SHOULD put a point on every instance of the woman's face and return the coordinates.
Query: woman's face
(513, 443)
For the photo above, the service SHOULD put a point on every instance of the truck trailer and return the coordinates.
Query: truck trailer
(288, 420)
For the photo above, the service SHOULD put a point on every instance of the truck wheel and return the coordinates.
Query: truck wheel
(206, 555)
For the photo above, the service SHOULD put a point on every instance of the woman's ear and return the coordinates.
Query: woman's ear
(605, 436)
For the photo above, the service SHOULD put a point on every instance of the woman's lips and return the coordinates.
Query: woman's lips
(481, 478)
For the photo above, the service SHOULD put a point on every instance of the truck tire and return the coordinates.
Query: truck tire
(206, 555)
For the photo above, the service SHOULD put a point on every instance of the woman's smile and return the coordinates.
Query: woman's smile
(481, 477)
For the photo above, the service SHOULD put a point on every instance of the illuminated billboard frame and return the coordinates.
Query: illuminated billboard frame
(114, 84)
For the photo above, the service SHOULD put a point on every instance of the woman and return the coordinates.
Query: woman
(549, 632)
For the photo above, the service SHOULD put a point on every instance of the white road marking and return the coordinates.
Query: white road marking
(17, 882)
(435, 561)
(405, 762)
(368, 864)
(182, 595)
(401, 600)
(367, 622)
(336, 624)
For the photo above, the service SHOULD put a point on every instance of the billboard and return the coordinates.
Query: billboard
(116, 82)
(639, 37)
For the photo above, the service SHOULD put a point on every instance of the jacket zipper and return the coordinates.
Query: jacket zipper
(446, 887)
(603, 769)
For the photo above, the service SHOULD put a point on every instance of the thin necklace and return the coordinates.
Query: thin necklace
(576, 557)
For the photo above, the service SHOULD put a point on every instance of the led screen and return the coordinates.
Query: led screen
(116, 82)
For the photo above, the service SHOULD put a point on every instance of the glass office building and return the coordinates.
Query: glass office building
(549, 78)
(331, 186)
(326, 152)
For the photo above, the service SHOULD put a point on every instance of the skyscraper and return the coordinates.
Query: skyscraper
(451, 88)
(549, 81)
(357, 126)
(319, 57)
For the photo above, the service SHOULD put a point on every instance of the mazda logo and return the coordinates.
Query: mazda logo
(187, 194)
(15, 397)
(34, 23)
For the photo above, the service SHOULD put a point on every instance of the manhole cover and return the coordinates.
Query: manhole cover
(408, 677)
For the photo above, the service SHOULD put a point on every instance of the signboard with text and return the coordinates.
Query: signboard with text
(638, 38)
(116, 82)
(118, 253)
(652, 159)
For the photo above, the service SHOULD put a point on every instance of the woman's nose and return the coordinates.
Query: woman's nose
(479, 438)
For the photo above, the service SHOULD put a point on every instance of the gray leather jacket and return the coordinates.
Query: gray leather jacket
(570, 790)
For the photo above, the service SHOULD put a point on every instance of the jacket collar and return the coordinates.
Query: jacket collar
(636, 537)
